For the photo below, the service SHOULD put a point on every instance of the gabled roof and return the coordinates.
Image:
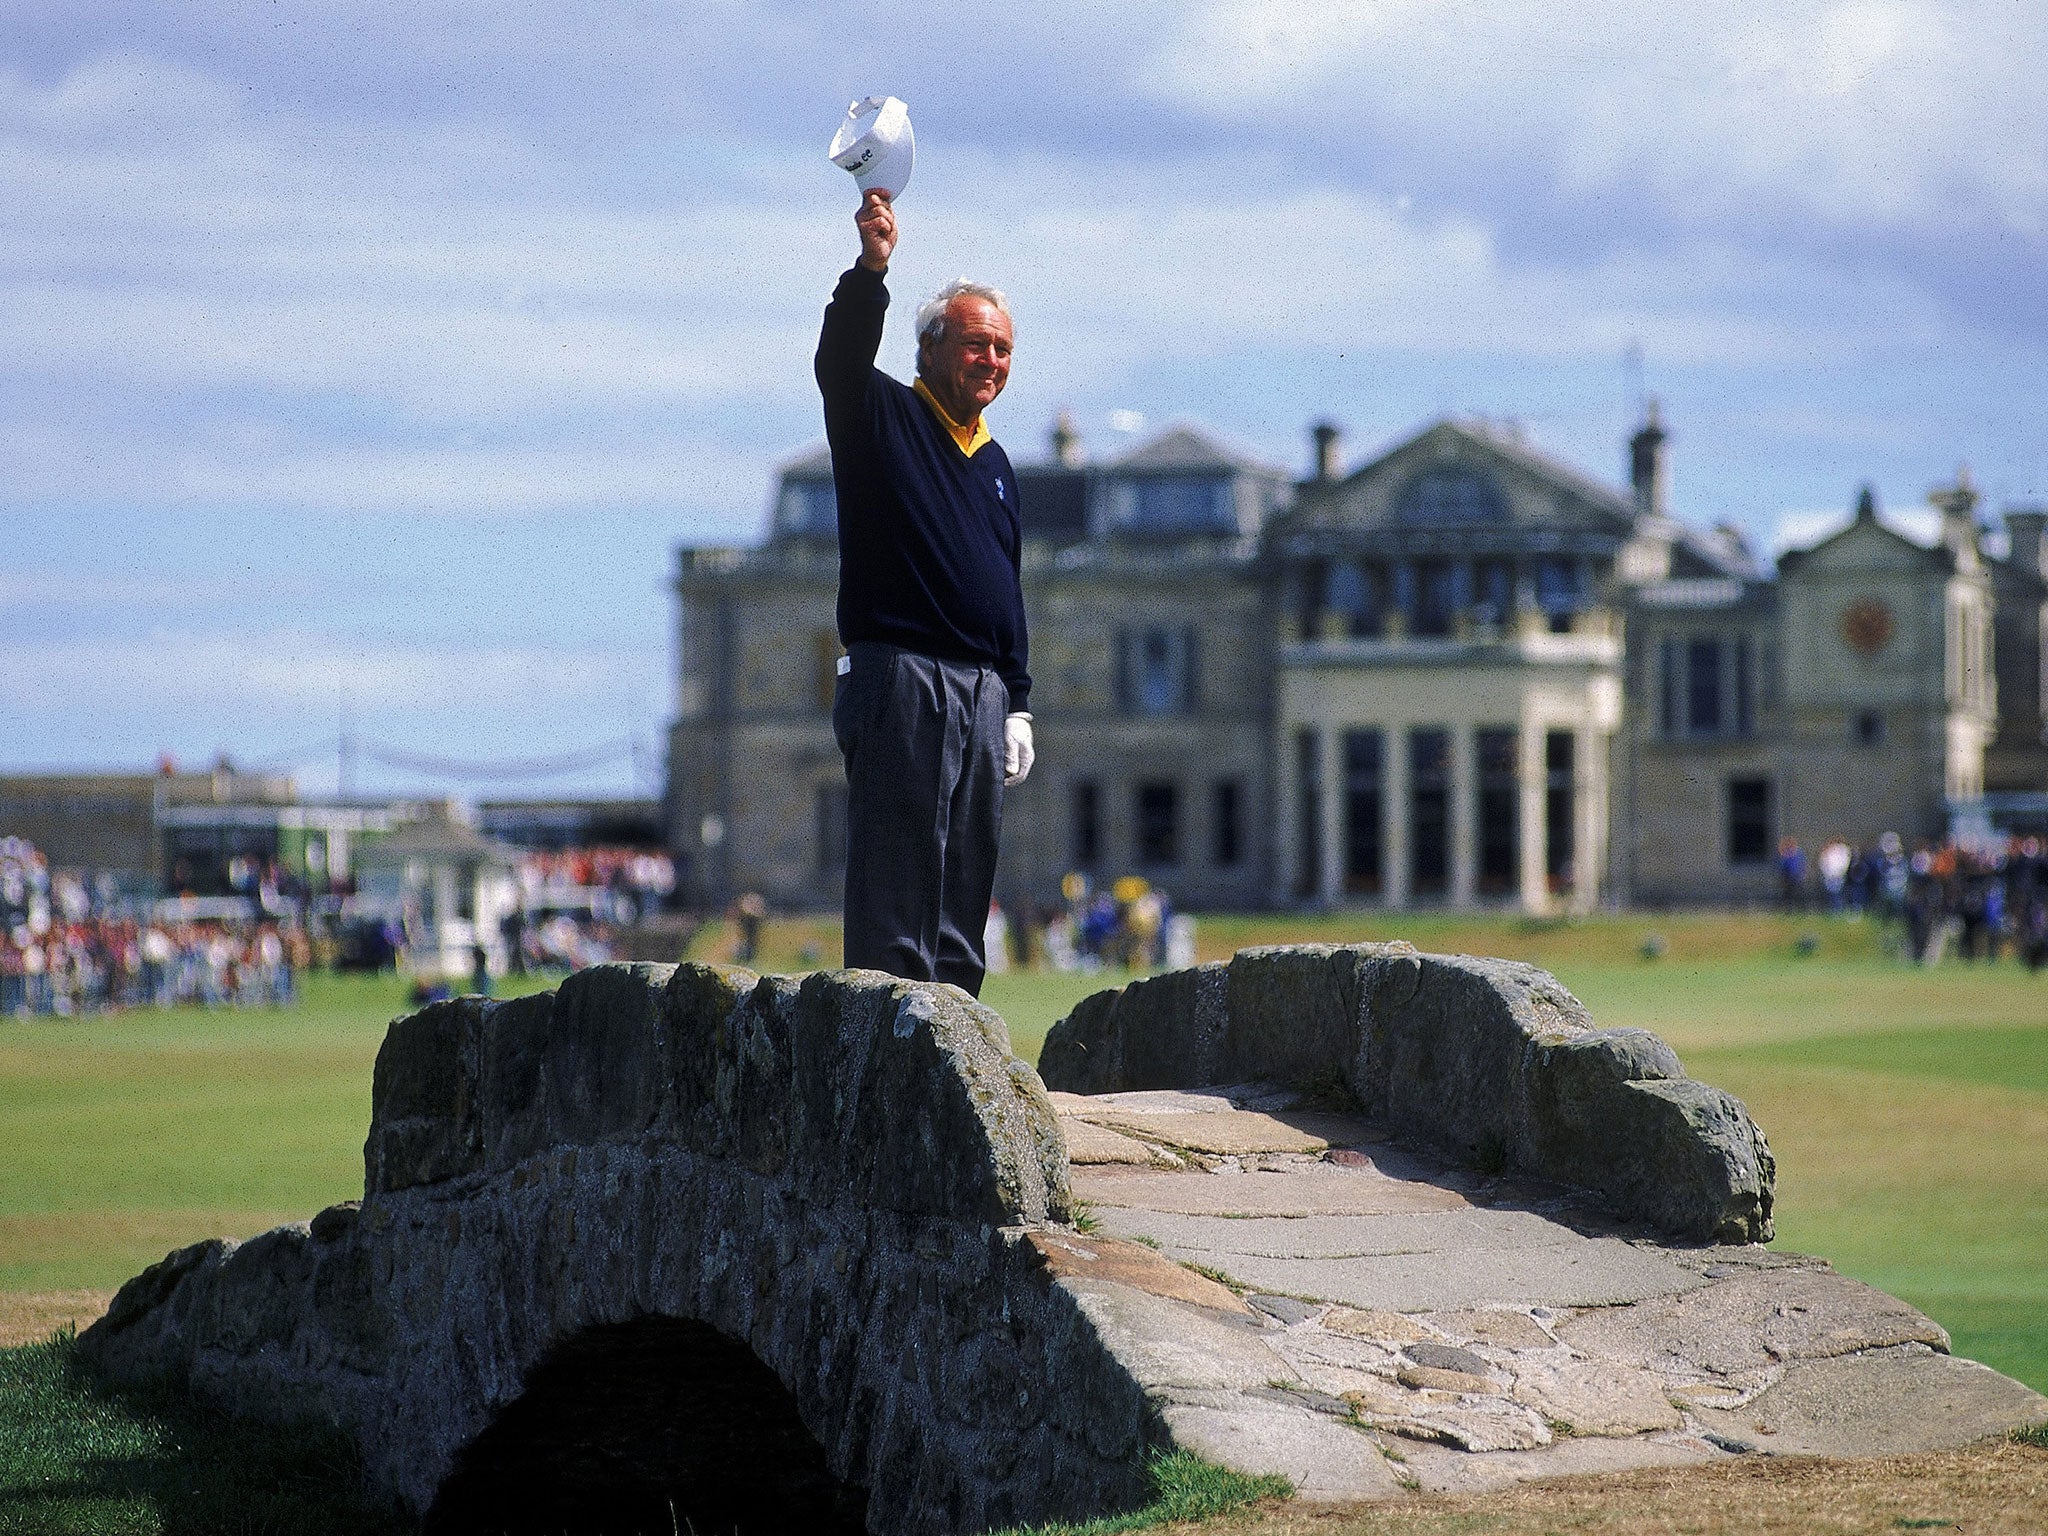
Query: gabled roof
(1517, 449)
(1539, 490)
(1183, 449)
(1865, 524)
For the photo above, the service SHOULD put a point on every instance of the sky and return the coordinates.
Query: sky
(366, 362)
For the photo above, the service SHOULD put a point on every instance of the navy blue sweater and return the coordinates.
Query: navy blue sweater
(929, 539)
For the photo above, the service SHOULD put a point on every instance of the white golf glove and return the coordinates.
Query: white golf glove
(1017, 753)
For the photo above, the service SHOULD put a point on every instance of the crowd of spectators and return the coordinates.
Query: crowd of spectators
(1978, 899)
(65, 951)
(1130, 924)
(617, 884)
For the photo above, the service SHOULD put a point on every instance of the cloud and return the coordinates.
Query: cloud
(282, 674)
(297, 275)
(1897, 112)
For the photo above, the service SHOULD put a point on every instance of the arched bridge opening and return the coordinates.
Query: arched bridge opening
(647, 1428)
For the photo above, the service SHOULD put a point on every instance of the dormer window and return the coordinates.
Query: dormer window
(1451, 494)
(1174, 504)
(807, 507)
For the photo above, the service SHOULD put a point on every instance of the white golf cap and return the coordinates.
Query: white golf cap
(876, 144)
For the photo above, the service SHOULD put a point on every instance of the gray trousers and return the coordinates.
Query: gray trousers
(923, 742)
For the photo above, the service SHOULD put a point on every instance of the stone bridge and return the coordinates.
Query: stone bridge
(687, 1244)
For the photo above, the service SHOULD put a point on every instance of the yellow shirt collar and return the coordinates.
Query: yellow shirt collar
(971, 438)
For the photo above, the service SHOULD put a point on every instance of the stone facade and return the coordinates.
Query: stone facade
(1463, 674)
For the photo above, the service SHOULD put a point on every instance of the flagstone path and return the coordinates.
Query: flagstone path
(1298, 1294)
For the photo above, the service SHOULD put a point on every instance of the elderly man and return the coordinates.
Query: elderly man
(931, 706)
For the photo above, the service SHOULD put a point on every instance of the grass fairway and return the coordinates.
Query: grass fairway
(1908, 1108)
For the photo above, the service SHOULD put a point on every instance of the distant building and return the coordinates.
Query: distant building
(450, 886)
(552, 825)
(1464, 674)
(174, 832)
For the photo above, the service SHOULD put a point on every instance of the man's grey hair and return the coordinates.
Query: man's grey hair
(931, 315)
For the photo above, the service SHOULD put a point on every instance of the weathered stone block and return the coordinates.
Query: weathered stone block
(700, 1005)
(604, 1052)
(514, 1052)
(1293, 1015)
(1083, 1053)
(263, 1289)
(1173, 1028)
(755, 1073)
(948, 1128)
(425, 1123)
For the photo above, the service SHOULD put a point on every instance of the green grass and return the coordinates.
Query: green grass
(76, 1460)
(1184, 1489)
(127, 1136)
(1908, 1110)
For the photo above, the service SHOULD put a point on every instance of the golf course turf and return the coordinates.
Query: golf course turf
(1908, 1108)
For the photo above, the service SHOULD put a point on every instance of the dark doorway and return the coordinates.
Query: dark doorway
(1429, 813)
(1560, 809)
(1362, 811)
(1499, 811)
(644, 1429)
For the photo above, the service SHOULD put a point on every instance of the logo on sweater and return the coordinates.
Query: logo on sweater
(999, 488)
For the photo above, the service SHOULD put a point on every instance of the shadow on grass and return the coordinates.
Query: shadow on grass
(80, 1459)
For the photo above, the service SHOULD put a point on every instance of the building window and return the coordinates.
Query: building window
(1174, 504)
(1869, 728)
(1308, 813)
(1156, 670)
(1560, 806)
(1493, 592)
(1085, 798)
(831, 814)
(1560, 592)
(1745, 686)
(1363, 808)
(807, 507)
(1667, 687)
(1749, 821)
(1226, 823)
(1499, 811)
(1703, 687)
(1429, 812)
(1158, 821)
(1311, 578)
(1355, 595)
(1436, 598)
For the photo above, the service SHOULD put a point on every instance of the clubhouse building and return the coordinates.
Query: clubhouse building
(1463, 674)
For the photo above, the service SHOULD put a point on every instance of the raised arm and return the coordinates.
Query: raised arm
(852, 333)
(876, 222)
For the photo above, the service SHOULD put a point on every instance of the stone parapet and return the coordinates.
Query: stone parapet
(1491, 1061)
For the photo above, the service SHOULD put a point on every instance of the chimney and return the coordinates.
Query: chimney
(2023, 528)
(1958, 506)
(1066, 441)
(1649, 466)
(1866, 503)
(1326, 437)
